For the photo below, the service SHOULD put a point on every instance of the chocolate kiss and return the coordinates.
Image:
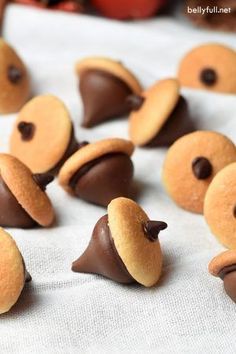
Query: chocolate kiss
(152, 229)
(104, 179)
(135, 102)
(43, 179)
(103, 95)
(230, 285)
(101, 256)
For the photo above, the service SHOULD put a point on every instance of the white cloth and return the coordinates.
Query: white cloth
(66, 312)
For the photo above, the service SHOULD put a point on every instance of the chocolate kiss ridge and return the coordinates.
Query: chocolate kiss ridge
(104, 179)
(43, 179)
(178, 124)
(101, 256)
(12, 214)
(103, 95)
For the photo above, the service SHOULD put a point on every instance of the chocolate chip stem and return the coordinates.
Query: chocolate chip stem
(202, 168)
(82, 144)
(27, 130)
(208, 76)
(152, 229)
(43, 179)
(135, 102)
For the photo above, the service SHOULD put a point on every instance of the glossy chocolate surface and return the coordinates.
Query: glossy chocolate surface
(104, 179)
(103, 95)
(101, 256)
(230, 284)
(178, 124)
(12, 214)
(14, 74)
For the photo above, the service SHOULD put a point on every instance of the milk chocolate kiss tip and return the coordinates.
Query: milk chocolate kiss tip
(152, 229)
(43, 179)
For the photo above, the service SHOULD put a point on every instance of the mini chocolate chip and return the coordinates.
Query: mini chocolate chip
(202, 168)
(135, 102)
(14, 74)
(82, 144)
(208, 76)
(27, 130)
(152, 229)
(43, 179)
(28, 277)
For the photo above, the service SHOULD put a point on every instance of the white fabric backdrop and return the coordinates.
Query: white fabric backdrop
(65, 312)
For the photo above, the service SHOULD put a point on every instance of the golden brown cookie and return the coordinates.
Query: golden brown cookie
(14, 80)
(160, 115)
(124, 246)
(23, 201)
(104, 86)
(100, 171)
(209, 66)
(13, 274)
(224, 267)
(43, 135)
(190, 165)
(220, 206)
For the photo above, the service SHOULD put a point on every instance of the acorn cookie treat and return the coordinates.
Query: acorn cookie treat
(224, 267)
(43, 135)
(13, 274)
(220, 206)
(14, 80)
(160, 115)
(124, 246)
(23, 201)
(104, 85)
(211, 67)
(99, 172)
(190, 165)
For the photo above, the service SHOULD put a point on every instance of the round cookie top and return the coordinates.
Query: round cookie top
(14, 80)
(111, 66)
(89, 153)
(141, 256)
(12, 272)
(220, 206)
(42, 133)
(209, 66)
(159, 102)
(191, 163)
(222, 260)
(30, 196)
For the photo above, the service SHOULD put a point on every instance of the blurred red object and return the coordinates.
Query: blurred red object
(128, 9)
(65, 5)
